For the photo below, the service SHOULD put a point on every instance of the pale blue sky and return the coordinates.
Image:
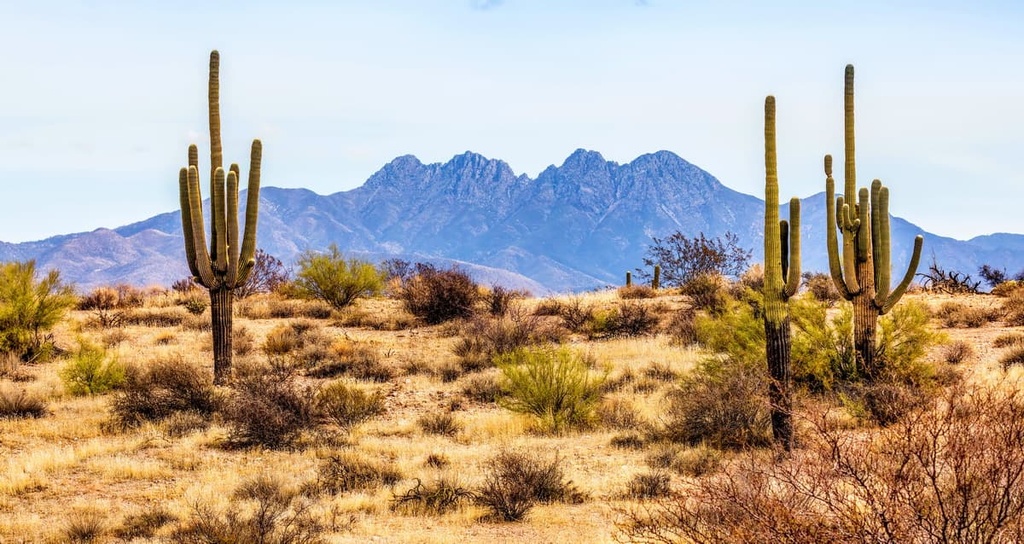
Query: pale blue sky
(99, 99)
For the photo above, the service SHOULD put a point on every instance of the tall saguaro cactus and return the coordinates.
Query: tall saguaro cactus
(781, 281)
(230, 259)
(861, 268)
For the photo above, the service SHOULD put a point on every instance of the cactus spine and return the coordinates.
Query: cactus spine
(861, 268)
(781, 281)
(656, 280)
(229, 260)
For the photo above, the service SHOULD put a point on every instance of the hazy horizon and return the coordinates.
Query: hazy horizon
(102, 98)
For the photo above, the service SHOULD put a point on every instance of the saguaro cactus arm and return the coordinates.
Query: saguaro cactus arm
(782, 239)
(247, 255)
(792, 255)
(834, 220)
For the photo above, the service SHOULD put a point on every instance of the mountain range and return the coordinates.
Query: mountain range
(577, 226)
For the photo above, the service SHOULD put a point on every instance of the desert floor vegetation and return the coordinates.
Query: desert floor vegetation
(369, 424)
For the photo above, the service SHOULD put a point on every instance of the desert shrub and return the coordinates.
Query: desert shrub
(957, 352)
(696, 461)
(649, 485)
(482, 388)
(516, 480)
(682, 327)
(483, 338)
(18, 403)
(268, 408)
(439, 423)
(720, 403)
(90, 371)
(1013, 308)
(143, 525)
(949, 474)
(181, 424)
(157, 317)
(438, 295)
(904, 337)
(548, 307)
(437, 460)
(346, 404)
(107, 307)
(198, 323)
(955, 314)
(261, 510)
(888, 402)
(683, 258)
(162, 388)
(343, 472)
(499, 299)
(115, 337)
(939, 280)
(821, 287)
(575, 312)
(632, 292)
(267, 276)
(553, 385)
(1008, 339)
(332, 278)
(82, 527)
(628, 441)
(736, 331)
(631, 319)
(706, 292)
(29, 308)
(195, 304)
(441, 496)
(1007, 288)
(753, 278)
(357, 361)
(619, 413)
(1013, 357)
(242, 341)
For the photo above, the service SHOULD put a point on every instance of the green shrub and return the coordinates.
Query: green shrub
(335, 280)
(195, 304)
(736, 331)
(554, 385)
(706, 292)
(822, 346)
(721, 403)
(904, 337)
(91, 372)
(484, 338)
(346, 405)
(29, 308)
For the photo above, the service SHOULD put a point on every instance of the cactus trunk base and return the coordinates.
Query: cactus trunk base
(779, 390)
(221, 301)
(865, 323)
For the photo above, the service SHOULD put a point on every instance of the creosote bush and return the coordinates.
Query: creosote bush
(555, 385)
(338, 281)
(438, 295)
(30, 308)
(91, 371)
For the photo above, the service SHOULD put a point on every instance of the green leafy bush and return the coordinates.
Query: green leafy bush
(29, 308)
(338, 281)
(553, 384)
(736, 331)
(91, 371)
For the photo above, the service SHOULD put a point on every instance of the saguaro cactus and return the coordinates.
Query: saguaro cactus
(629, 279)
(230, 260)
(781, 281)
(861, 269)
(656, 280)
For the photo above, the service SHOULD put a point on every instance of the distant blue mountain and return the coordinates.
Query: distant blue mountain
(576, 226)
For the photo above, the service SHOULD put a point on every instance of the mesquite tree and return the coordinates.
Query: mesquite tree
(861, 268)
(229, 260)
(781, 281)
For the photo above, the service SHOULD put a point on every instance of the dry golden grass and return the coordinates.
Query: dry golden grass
(70, 462)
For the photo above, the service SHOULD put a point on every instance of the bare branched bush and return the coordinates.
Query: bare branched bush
(950, 282)
(441, 496)
(954, 473)
(268, 408)
(484, 338)
(821, 287)
(344, 472)
(161, 388)
(516, 480)
(958, 352)
(683, 258)
(633, 292)
(18, 403)
(438, 295)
